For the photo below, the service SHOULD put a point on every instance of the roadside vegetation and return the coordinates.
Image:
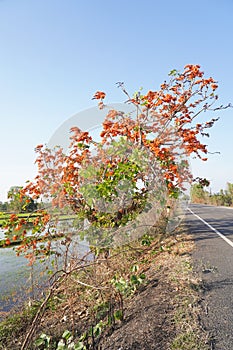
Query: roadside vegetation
(139, 163)
(142, 296)
(134, 286)
(200, 193)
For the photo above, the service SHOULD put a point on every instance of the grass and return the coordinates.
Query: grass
(16, 323)
(190, 335)
(31, 216)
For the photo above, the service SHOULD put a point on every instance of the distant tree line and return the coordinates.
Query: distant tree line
(201, 194)
(17, 202)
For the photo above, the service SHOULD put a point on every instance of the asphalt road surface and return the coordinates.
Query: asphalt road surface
(212, 230)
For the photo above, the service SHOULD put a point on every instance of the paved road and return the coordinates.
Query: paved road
(213, 260)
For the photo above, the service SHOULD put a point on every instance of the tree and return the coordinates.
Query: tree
(229, 193)
(20, 203)
(224, 197)
(140, 163)
(3, 206)
(198, 194)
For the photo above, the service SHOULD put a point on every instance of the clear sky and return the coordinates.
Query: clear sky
(55, 54)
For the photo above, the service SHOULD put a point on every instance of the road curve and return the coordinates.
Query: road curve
(212, 230)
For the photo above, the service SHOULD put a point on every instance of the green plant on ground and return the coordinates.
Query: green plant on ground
(65, 343)
(86, 313)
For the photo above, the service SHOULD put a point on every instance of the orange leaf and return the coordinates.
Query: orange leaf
(99, 95)
(7, 242)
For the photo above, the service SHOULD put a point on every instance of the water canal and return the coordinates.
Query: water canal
(14, 277)
(18, 280)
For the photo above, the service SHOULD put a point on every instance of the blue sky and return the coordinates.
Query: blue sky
(55, 54)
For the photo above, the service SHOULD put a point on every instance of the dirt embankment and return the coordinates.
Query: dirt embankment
(143, 298)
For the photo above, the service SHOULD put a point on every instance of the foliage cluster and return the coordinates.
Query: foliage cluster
(139, 164)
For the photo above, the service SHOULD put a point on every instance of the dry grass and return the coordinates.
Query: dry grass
(159, 312)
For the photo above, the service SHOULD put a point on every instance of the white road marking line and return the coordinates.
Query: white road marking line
(212, 228)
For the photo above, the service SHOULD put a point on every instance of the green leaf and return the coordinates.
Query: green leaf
(66, 335)
(134, 268)
(44, 339)
(80, 346)
(39, 342)
(134, 279)
(173, 72)
(61, 345)
(98, 328)
(142, 276)
(118, 315)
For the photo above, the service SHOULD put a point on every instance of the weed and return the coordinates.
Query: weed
(188, 340)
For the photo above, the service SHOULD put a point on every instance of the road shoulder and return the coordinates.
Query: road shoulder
(213, 262)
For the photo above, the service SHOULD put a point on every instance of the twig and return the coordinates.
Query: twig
(88, 285)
